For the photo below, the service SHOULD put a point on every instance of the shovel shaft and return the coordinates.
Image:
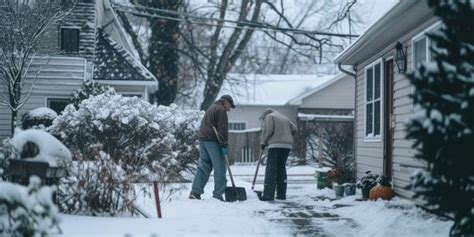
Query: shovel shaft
(258, 166)
(230, 172)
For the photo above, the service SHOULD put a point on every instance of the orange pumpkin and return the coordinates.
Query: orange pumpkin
(383, 192)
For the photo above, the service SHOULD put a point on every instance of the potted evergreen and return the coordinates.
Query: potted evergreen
(366, 183)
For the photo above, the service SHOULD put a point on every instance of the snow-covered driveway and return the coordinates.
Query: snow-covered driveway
(306, 212)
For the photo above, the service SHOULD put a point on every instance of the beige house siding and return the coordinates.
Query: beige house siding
(59, 78)
(370, 154)
(341, 93)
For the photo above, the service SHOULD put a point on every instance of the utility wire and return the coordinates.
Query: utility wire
(246, 25)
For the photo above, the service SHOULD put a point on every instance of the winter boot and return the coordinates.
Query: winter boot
(194, 195)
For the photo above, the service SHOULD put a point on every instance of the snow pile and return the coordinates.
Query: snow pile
(27, 211)
(38, 117)
(39, 146)
(127, 134)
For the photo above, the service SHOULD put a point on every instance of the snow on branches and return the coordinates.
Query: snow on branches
(117, 141)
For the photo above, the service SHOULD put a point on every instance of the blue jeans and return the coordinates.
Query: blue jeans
(210, 156)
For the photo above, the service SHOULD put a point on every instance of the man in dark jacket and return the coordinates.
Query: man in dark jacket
(213, 149)
(277, 135)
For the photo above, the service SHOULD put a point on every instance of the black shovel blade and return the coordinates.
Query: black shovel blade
(235, 194)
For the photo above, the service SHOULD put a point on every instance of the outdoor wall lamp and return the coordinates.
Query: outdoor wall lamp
(400, 58)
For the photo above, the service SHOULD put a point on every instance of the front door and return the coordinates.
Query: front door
(389, 118)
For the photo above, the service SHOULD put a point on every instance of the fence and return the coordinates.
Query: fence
(244, 146)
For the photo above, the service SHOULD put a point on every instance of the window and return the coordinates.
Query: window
(373, 100)
(57, 104)
(70, 40)
(421, 46)
(132, 95)
(237, 126)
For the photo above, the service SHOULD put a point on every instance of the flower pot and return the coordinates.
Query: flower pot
(349, 189)
(365, 192)
(321, 179)
(339, 189)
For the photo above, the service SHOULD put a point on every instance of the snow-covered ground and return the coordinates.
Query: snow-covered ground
(306, 212)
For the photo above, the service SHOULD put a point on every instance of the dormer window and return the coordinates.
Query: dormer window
(70, 40)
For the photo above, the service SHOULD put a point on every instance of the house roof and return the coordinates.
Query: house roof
(401, 19)
(299, 99)
(115, 57)
(113, 62)
(270, 89)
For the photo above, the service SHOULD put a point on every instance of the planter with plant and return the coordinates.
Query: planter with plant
(366, 183)
(382, 190)
(338, 176)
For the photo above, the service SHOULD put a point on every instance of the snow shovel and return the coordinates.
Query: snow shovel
(260, 158)
(233, 193)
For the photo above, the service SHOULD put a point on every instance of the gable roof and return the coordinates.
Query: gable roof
(299, 99)
(270, 89)
(113, 62)
(401, 19)
(115, 57)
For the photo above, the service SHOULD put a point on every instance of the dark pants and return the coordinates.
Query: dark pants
(275, 174)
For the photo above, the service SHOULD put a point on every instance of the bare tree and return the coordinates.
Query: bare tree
(212, 41)
(23, 23)
(162, 57)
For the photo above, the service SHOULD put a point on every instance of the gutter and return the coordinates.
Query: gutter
(353, 74)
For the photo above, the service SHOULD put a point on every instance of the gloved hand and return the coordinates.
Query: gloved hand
(224, 151)
(262, 147)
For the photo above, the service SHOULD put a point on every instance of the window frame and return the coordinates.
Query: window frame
(422, 35)
(49, 99)
(375, 138)
(61, 47)
(238, 122)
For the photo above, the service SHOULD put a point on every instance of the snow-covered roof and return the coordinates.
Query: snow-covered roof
(113, 62)
(115, 57)
(270, 89)
(298, 100)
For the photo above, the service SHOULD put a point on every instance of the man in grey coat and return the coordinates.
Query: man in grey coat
(277, 135)
(213, 149)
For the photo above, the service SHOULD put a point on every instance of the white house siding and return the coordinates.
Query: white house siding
(341, 93)
(250, 113)
(58, 79)
(370, 154)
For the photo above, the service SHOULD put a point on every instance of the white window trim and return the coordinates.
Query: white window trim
(419, 36)
(54, 98)
(379, 137)
(239, 121)
(428, 44)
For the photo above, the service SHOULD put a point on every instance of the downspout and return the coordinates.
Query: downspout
(354, 127)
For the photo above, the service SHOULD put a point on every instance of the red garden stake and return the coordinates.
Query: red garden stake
(157, 198)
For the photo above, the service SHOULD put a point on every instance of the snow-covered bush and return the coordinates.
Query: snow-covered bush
(89, 88)
(443, 124)
(27, 211)
(144, 141)
(38, 118)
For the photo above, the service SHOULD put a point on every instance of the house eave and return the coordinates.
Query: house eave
(402, 18)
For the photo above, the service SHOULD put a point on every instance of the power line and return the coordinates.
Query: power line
(182, 17)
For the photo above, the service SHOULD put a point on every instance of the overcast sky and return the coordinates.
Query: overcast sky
(376, 9)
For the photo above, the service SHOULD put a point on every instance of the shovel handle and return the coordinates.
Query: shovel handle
(226, 159)
(230, 172)
(256, 170)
